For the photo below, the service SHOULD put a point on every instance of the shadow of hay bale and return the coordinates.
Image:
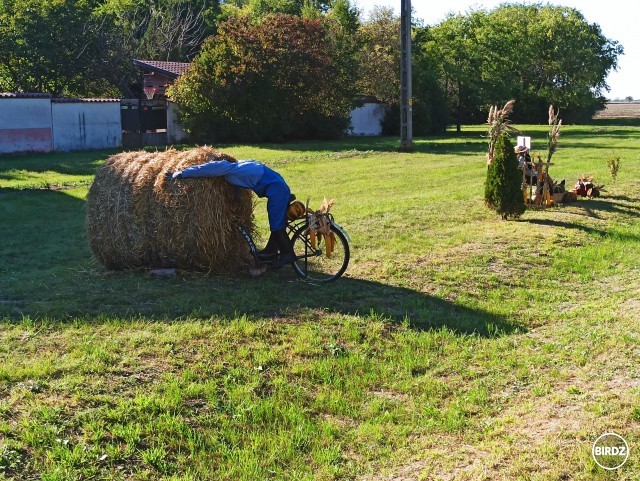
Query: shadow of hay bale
(135, 218)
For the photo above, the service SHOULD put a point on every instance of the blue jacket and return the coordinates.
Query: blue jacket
(244, 173)
(250, 174)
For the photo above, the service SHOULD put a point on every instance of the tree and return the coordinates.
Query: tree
(456, 51)
(430, 109)
(346, 16)
(379, 74)
(259, 8)
(170, 30)
(503, 187)
(45, 46)
(379, 56)
(175, 31)
(576, 59)
(536, 54)
(557, 57)
(341, 24)
(86, 47)
(268, 81)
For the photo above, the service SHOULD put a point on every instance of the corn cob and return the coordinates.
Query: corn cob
(320, 228)
(312, 238)
(330, 242)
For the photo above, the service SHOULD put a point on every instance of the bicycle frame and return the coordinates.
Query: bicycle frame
(252, 245)
(293, 227)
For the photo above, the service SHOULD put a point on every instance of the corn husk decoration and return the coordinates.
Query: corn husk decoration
(319, 227)
(498, 125)
(555, 122)
(584, 178)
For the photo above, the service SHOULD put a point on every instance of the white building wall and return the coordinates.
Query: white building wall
(86, 125)
(367, 120)
(25, 124)
(175, 133)
(33, 122)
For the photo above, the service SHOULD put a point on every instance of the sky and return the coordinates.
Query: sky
(618, 20)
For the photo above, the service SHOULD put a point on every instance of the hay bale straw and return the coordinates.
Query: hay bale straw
(135, 218)
(569, 196)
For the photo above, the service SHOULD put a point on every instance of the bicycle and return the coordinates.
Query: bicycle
(317, 259)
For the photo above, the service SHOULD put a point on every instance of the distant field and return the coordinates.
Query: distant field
(619, 110)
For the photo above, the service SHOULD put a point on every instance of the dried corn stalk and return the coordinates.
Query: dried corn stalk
(554, 132)
(498, 124)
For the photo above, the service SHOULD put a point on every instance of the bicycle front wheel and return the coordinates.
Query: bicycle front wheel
(313, 263)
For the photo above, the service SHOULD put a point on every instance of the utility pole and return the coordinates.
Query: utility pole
(406, 100)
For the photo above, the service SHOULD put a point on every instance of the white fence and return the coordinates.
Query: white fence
(25, 123)
(84, 125)
(40, 123)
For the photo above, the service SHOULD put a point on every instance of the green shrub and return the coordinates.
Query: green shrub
(273, 80)
(503, 187)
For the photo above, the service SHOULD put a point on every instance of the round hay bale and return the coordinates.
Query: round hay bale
(135, 218)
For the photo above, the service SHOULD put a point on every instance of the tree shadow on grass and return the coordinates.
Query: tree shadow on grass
(89, 293)
(88, 162)
(603, 149)
(100, 296)
(567, 225)
(285, 296)
(47, 271)
(584, 228)
(614, 204)
(618, 131)
(67, 163)
(615, 122)
(608, 205)
(465, 143)
(624, 199)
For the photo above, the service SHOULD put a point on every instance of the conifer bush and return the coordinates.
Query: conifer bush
(503, 187)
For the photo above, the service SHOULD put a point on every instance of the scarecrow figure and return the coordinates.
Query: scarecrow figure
(265, 182)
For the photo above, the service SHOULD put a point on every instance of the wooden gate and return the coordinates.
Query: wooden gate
(144, 122)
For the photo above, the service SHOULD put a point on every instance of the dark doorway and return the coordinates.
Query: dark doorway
(144, 122)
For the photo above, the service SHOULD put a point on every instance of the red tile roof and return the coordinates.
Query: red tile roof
(170, 69)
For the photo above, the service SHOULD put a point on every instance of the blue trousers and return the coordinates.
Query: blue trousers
(275, 189)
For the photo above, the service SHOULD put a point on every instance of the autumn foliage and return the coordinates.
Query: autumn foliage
(272, 80)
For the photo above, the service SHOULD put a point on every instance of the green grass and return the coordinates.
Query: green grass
(457, 346)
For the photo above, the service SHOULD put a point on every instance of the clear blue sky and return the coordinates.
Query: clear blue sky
(618, 19)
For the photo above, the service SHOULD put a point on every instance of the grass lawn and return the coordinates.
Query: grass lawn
(457, 345)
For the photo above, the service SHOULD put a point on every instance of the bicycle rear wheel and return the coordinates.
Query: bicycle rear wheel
(313, 264)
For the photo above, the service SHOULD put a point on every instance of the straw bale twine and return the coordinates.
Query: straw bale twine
(135, 218)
